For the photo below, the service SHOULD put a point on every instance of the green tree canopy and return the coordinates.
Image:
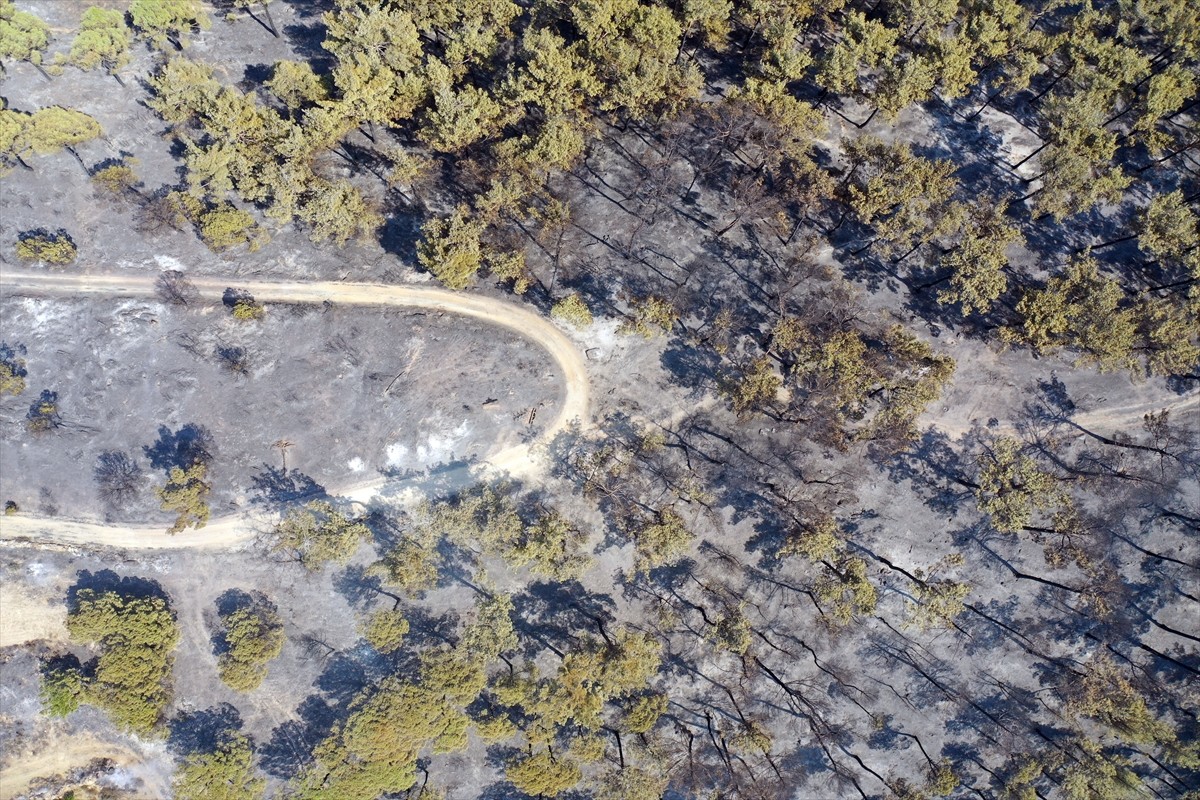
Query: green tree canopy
(168, 21)
(136, 634)
(225, 773)
(316, 535)
(251, 636)
(103, 41)
(23, 36)
(186, 493)
(49, 130)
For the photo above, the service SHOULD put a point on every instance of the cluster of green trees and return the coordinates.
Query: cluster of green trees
(485, 519)
(481, 119)
(136, 634)
(561, 723)
(1086, 765)
(494, 99)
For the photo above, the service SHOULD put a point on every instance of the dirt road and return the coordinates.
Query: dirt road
(61, 755)
(518, 461)
(227, 531)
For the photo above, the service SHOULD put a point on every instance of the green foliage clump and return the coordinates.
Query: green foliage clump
(937, 602)
(117, 179)
(49, 130)
(661, 541)
(568, 707)
(1170, 229)
(316, 535)
(11, 383)
(842, 586)
(375, 751)
(225, 773)
(251, 635)
(1012, 486)
(62, 686)
(338, 212)
(44, 414)
(977, 263)
(47, 247)
(225, 227)
(12, 372)
(385, 630)
(410, 566)
(247, 310)
(165, 22)
(635, 49)
(645, 711)
(221, 226)
(906, 199)
(1080, 309)
(485, 516)
(649, 317)
(451, 250)
(572, 310)
(541, 775)
(754, 388)
(44, 132)
(394, 723)
(103, 41)
(296, 84)
(131, 678)
(551, 548)
(23, 37)
(732, 632)
(1105, 694)
(186, 494)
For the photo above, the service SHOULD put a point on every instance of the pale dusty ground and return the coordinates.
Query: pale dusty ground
(26, 617)
(61, 754)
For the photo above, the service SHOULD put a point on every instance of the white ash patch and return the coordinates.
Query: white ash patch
(396, 454)
(439, 447)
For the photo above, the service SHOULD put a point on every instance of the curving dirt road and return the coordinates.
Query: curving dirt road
(227, 531)
(66, 754)
(519, 460)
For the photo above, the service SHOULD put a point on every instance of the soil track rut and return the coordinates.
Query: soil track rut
(231, 530)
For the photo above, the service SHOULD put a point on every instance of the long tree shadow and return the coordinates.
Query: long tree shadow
(937, 469)
(203, 731)
(275, 487)
(106, 581)
(557, 615)
(191, 444)
(290, 748)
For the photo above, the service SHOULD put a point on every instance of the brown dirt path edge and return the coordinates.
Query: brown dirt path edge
(228, 531)
(65, 754)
